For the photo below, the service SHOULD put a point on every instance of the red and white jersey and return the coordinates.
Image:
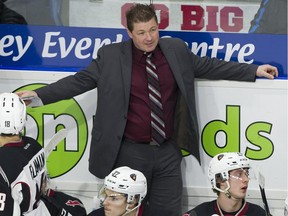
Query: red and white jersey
(62, 204)
(22, 172)
(213, 209)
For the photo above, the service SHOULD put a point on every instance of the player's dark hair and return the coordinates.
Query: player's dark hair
(219, 179)
(11, 135)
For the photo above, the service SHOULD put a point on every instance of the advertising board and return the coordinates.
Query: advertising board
(233, 116)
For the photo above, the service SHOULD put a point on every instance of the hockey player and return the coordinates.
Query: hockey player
(229, 176)
(22, 162)
(122, 193)
(23, 169)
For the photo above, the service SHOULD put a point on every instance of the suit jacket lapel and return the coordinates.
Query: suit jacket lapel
(126, 69)
(172, 61)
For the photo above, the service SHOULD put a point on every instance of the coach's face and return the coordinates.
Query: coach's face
(145, 35)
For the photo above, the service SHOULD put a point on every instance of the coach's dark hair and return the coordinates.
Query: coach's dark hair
(140, 13)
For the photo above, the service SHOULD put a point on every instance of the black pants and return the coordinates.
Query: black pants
(161, 166)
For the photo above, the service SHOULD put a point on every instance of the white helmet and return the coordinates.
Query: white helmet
(12, 114)
(127, 181)
(222, 163)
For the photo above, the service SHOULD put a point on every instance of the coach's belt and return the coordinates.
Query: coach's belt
(152, 143)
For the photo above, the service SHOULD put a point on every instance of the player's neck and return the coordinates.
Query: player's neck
(8, 139)
(229, 204)
(132, 213)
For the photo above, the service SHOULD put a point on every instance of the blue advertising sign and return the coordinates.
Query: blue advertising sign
(58, 48)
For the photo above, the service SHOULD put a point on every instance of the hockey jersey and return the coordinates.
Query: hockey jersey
(22, 172)
(212, 209)
(62, 204)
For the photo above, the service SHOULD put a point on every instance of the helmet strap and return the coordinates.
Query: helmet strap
(130, 210)
(226, 191)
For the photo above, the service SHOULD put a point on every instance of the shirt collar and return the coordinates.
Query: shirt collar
(139, 54)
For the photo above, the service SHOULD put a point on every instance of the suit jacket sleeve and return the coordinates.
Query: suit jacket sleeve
(205, 67)
(73, 85)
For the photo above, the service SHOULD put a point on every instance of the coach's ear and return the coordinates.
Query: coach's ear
(129, 33)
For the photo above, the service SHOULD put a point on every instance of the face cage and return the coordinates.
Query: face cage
(226, 175)
(238, 176)
(102, 197)
(129, 198)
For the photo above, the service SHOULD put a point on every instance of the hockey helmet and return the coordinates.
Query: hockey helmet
(222, 163)
(12, 114)
(127, 181)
